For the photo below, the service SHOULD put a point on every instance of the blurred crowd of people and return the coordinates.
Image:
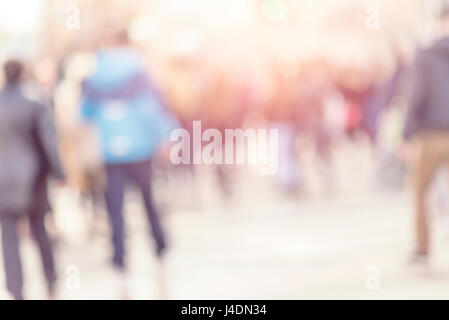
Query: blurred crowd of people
(113, 118)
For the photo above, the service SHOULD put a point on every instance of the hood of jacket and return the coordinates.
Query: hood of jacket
(115, 68)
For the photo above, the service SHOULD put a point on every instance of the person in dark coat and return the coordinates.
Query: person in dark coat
(28, 153)
(427, 124)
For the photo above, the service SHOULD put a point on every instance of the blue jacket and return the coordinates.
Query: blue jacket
(119, 99)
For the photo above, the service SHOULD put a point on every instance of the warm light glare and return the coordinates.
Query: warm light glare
(20, 17)
(275, 9)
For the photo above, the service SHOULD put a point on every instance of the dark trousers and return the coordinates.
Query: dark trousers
(11, 254)
(117, 176)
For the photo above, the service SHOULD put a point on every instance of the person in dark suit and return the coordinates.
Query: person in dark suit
(28, 154)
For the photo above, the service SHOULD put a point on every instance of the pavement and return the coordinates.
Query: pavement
(351, 243)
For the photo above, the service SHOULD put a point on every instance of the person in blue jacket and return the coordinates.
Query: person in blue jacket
(122, 103)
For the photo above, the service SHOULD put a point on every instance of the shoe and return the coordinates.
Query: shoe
(19, 297)
(51, 291)
(118, 264)
(160, 250)
(418, 259)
